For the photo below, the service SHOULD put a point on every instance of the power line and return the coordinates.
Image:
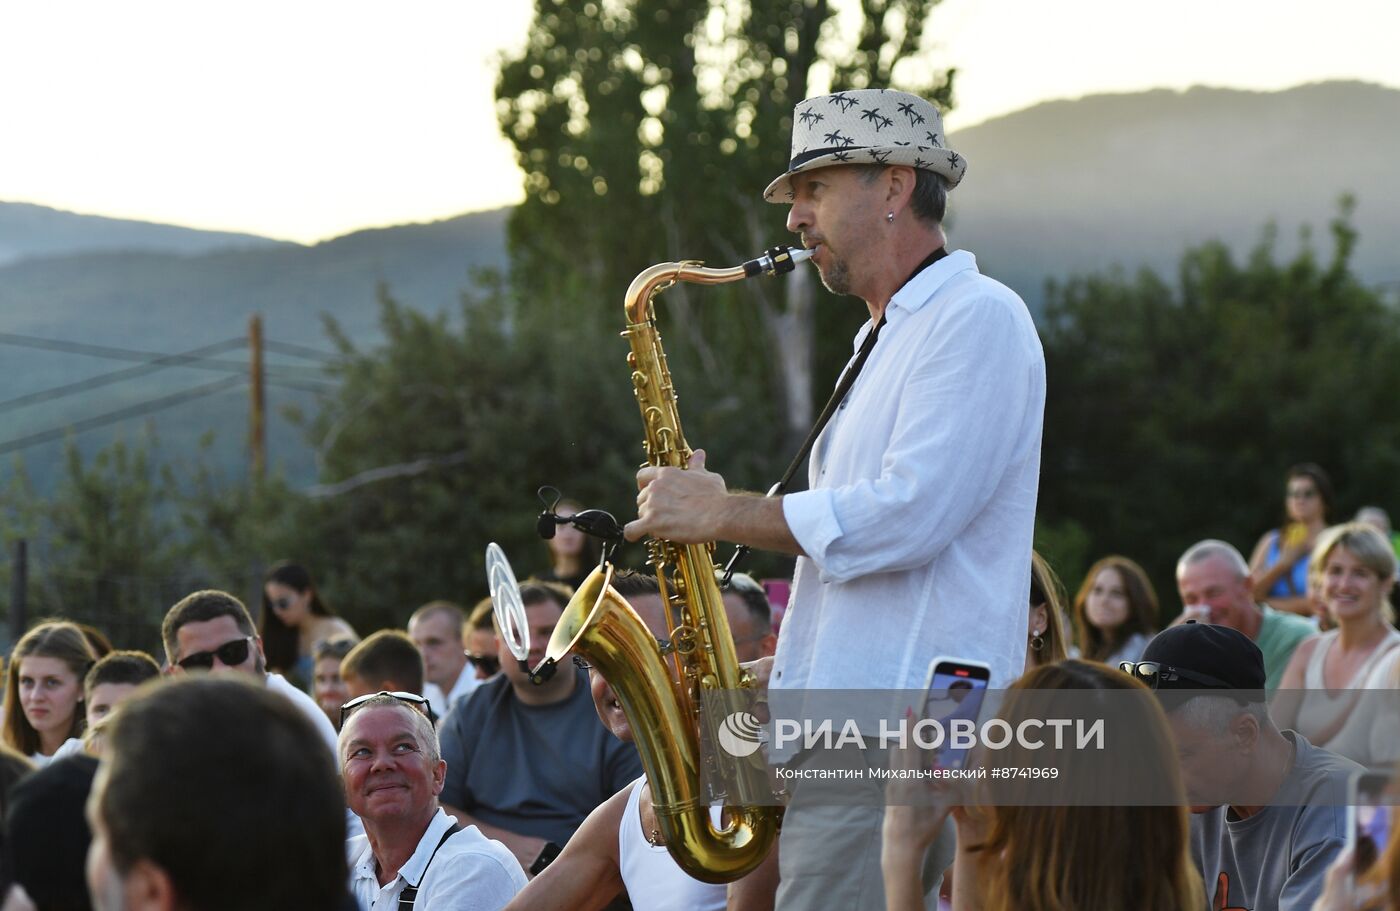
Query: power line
(151, 366)
(297, 350)
(122, 414)
(144, 357)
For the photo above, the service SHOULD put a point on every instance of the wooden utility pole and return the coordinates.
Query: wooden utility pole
(257, 435)
(19, 591)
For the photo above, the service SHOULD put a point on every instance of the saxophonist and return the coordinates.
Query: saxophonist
(914, 537)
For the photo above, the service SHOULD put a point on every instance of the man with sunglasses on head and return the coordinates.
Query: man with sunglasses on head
(1269, 807)
(412, 853)
(437, 629)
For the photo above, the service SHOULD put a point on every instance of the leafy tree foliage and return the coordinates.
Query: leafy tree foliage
(1174, 411)
(647, 131)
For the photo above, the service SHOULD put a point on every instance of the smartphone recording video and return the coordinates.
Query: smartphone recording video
(953, 698)
(1371, 813)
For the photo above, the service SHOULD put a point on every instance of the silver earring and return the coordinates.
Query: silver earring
(890, 218)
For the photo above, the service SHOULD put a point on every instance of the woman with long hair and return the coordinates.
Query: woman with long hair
(1077, 856)
(1279, 564)
(1045, 633)
(1115, 611)
(293, 620)
(572, 554)
(1330, 673)
(44, 692)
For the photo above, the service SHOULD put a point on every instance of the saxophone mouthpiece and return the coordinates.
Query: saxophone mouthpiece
(777, 261)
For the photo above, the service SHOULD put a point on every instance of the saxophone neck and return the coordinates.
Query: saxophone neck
(657, 278)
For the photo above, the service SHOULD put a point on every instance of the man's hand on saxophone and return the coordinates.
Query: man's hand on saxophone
(694, 506)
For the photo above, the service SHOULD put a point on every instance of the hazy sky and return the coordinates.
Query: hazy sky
(305, 119)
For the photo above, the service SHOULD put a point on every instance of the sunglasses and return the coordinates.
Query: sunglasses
(488, 664)
(281, 603)
(412, 699)
(1154, 674)
(230, 654)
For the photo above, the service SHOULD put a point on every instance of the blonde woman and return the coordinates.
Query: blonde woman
(1329, 672)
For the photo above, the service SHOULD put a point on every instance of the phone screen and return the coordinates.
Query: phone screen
(1372, 819)
(955, 692)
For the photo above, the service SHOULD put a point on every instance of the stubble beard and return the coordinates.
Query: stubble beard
(837, 276)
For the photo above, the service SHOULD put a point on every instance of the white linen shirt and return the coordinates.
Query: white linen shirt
(469, 873)
(919, 519)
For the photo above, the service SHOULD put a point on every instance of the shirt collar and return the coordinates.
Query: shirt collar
(920, 289)
(412, 871)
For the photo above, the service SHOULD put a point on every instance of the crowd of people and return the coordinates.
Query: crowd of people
(281, 761)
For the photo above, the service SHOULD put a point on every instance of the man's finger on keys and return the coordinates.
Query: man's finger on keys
(634, 531)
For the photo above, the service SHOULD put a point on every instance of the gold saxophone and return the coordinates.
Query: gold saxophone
(664, 709)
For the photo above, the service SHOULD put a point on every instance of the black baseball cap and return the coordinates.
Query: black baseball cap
(1202, 656)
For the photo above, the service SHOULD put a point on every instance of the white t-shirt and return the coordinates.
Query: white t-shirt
(470, 872)
(70, 747)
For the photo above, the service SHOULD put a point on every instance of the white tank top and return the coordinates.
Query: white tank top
(654, 882)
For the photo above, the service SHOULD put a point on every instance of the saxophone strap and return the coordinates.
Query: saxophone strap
(838, 395)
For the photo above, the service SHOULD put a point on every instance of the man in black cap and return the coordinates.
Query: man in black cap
(1270, 814)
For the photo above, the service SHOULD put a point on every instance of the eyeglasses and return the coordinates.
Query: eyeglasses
(412, 699)
(487, 664)
(230, 654)
(1155, 674)
(1301, 493)
(281, 603)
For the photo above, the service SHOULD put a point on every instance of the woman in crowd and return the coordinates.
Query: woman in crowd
(44, 692)
(1115, 611)
(1045, 634)
(1034, 858)
(1328, 673)
(1279, 564)
(293, 619)
(572, 554)
(328, 688)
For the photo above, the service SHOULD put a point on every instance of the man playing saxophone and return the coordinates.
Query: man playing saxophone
(914, 537)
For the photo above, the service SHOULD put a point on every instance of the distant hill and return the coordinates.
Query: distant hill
(28, 230)
(1076, 186)
(1060, 188)
(168, 303)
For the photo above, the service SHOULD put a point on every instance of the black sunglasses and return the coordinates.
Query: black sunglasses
(230, 654)
(1155, 674)
(412, 699)
(489, 664)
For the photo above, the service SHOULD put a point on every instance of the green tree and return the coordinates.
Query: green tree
(1174, 411)
(647, 131)
(439, 437)
(101, 547)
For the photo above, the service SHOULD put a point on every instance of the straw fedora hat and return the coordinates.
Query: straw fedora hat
(867, 126)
